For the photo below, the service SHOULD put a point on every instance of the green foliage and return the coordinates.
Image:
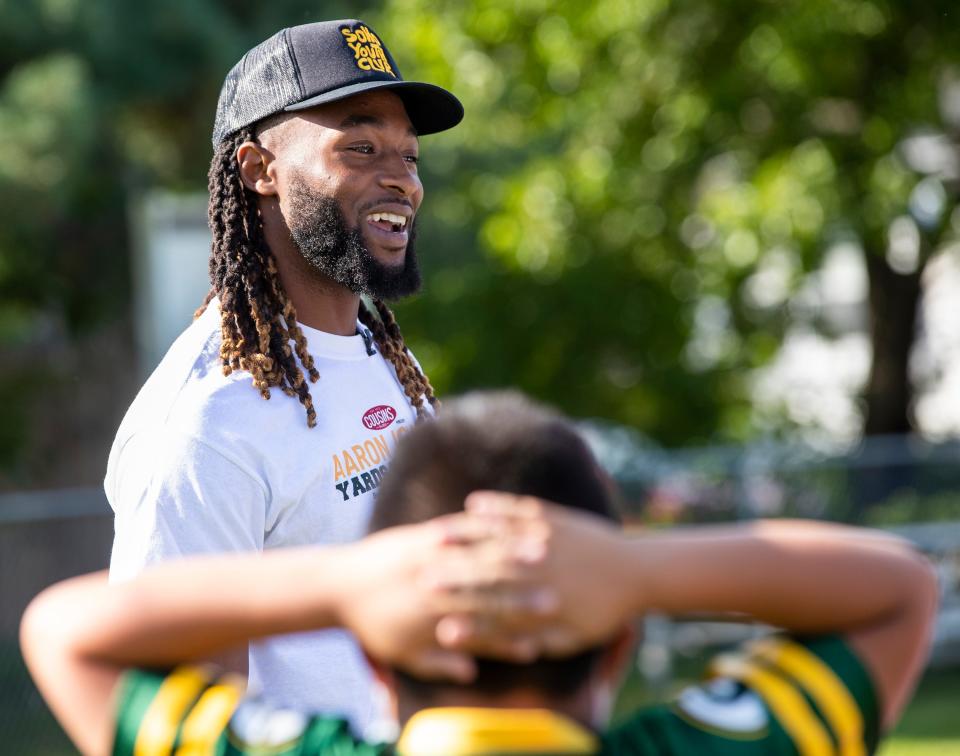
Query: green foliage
(97, 99)
(637, 191)
(639, 187)
(908, 505)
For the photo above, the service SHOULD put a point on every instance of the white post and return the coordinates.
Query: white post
(171, 244)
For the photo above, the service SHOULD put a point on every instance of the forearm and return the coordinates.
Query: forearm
(803, 576)
(192, 609)
(79, 635)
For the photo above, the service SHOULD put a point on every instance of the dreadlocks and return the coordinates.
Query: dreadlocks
(257, 319)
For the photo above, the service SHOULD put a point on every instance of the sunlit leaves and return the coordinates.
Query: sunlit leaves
(710, 153)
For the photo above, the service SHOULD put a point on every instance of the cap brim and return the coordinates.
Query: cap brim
(429, 107)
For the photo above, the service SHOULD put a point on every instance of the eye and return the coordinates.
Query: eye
(364, 149)
(414, 159)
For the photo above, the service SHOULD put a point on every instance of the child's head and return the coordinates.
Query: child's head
(503, 442)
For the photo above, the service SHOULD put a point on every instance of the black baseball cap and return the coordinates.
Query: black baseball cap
(323, 62)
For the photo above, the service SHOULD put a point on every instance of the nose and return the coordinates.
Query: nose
(401, 177)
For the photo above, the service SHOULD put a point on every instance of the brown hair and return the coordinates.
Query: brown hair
(257, 319)
(498, 441)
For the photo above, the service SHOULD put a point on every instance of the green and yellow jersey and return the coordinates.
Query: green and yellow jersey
(778, 696)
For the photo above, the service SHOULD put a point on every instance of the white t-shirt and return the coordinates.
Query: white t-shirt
(202, 464)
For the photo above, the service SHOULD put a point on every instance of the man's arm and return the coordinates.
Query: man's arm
(805, 577)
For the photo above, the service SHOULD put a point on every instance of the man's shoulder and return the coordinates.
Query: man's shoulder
(190, 398)
(193, 359)
(186, 397)
(189, 390)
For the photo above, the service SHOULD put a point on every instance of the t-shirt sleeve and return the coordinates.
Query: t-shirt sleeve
(174, 496)
(777, 695)
(191, 711)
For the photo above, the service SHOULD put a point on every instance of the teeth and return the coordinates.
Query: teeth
(397, 220)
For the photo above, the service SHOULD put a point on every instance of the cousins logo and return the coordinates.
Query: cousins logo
(368, 51)
(379, 417)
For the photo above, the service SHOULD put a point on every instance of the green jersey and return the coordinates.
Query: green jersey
(772, 697)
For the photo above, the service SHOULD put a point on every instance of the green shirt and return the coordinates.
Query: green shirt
(777, 696)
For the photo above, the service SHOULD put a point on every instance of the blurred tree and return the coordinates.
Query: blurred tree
(620, 226)
(650, 184)
(98, 99)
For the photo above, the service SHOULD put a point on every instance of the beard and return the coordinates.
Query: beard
(319, 229)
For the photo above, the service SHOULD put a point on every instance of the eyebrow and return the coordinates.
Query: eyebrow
(360, 119)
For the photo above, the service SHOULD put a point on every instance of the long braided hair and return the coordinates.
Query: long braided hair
(257, 319)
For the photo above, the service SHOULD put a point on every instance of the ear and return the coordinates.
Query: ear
(256, 168)
(613, 662)
(608, 675)
(386, 681)
(381, 672)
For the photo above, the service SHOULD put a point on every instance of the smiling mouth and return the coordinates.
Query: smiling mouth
(389, 222)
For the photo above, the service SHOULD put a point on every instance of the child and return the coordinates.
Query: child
(445, 602)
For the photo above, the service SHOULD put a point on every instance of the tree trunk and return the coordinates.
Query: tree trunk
(893, 315)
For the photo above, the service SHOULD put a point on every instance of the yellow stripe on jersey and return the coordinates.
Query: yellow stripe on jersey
(822, 685)
(207, 720)
(789, 707)
(158, 729)
(467, 731)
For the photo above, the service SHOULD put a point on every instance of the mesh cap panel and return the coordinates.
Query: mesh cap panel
(264, 82)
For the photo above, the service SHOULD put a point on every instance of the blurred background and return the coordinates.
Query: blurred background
(725, 235)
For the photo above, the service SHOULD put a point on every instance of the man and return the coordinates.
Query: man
(314, 196)
(857, 607)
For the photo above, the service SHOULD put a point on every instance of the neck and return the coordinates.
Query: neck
(320, 302)
(577, 707)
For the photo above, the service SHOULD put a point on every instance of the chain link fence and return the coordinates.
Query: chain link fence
(44, 537)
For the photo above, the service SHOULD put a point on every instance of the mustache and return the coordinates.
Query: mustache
(386, 201)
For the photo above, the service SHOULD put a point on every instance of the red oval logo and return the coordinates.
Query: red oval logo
(379, 417)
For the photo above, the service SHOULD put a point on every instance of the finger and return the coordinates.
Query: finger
(453, 630)
(473, 616)
(505, 561)
(510, 607)
(466, 634)
(463, 528)
(482, 637)
(469, 527)
(518, 649)
(559, 641)
(532, 548)
(503, 504)
(514, 517)
(444, 664)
